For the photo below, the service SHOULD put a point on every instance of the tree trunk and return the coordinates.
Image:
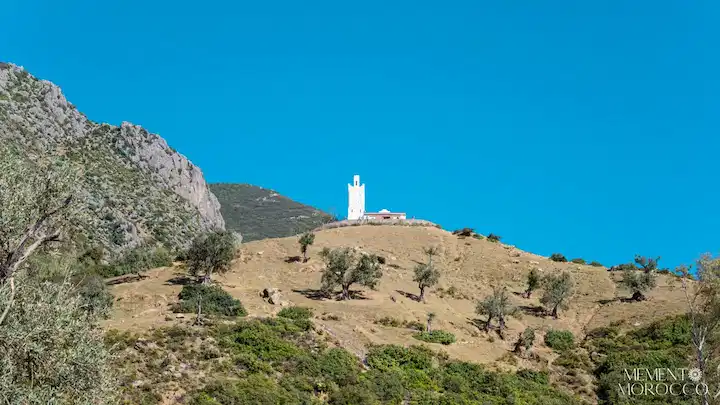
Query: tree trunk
(206, 278)
(501, 328)
(346, 292)
(638, 296)
(555, 312)
(487, 324)
(422, 294)
(304, 252)
(11, 281)
(518, 344)
(428, 325)
(528, 292)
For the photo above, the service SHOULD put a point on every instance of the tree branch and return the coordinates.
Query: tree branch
(12, 299)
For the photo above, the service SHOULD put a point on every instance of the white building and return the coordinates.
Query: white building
(356, 205)
(356, 199)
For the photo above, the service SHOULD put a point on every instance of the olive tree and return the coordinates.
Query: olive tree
(496, 306)
(51, 346)
(211, 253)
(35, 203)
(703, 300)
(639, 282)
(526, 339)
(557, 290)
(307, 239)
(426, 275)
(345, 267)
(533, 282)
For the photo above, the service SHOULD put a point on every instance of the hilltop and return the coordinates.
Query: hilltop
(134, 188)
(470, 268)
(259, 213)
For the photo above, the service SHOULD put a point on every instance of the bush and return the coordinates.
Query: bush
(494, 238)
(436, 336)
(559, 340)
(95, 296)
(213, 299)
(295, 313)
(578, 260)
(557, 257)
(136, 261)
(466, 232)
(596, 264)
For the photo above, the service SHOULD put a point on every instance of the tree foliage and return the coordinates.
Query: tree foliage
(525, 341)
(35, 204)
(307, 239)
(211, 253)
(426, 275)
(51, 347)
(703, 300)
(533, 282)
(557, 290)
(558, 257)
(345, 267)
(496, 306)
(639, 282)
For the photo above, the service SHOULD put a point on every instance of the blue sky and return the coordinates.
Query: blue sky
(576, 127)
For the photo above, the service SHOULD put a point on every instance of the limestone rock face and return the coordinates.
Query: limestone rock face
(135, 188)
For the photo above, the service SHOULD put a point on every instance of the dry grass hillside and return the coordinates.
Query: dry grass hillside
(470, 266)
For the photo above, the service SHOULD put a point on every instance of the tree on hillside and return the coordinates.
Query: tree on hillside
(557, 291)
(426, 275)
(533, 282)
(494, 238)
(496, 306)
(558, 257)
(211, 253)
(345, 267)
(526, 339)
(646, 264)
(431, 251)
(35, 204)
(639, 282)
(703, 300)
(307, 239)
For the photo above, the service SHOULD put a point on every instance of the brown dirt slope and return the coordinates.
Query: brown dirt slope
(469, 265)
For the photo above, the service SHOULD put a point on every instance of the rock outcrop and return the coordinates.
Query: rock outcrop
(135, 188)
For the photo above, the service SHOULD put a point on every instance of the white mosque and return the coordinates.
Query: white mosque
(356, 205)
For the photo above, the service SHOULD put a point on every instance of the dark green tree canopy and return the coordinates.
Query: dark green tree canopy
(211, 253)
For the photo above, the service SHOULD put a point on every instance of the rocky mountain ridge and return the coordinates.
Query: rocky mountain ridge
(134, 189)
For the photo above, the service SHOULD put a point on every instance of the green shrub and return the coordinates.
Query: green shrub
(295, 313)
(557, 257)
(96, 298)
(213, 299)
(578, 260)
(596, 264)
(574, 360)
(494, 238)
(559, 340)
(339, 366)
(253, 390)
(136, 261)
(436, 336)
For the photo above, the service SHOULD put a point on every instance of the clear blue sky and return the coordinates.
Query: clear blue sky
(586, 128)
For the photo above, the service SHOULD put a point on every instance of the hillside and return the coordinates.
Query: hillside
(260, 213)
(470, 267)
(133, 186)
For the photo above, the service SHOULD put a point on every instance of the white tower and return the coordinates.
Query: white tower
(356, 199)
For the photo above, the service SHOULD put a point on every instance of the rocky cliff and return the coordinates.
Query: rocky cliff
(135, 188)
